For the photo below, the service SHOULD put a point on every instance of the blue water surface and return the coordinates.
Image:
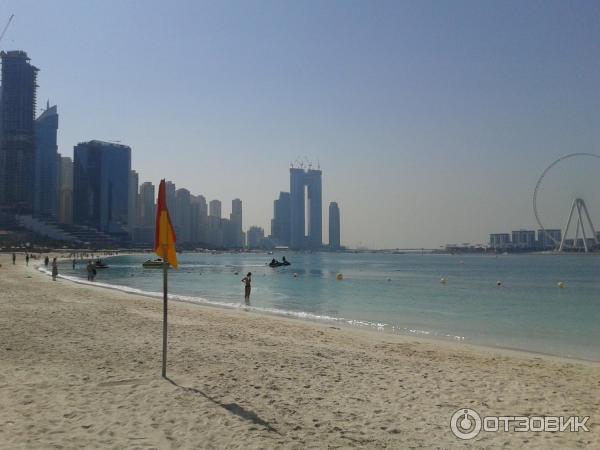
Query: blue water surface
(402, 293)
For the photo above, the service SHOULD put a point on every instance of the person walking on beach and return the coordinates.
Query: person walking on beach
(46, 261)
(54, 269)
(14, 256)
(88, 269)
(27, 259)
(247, 280)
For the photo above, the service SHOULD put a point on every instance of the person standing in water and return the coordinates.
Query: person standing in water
(26, 259)
(54, 269)
(247, 280)
(14, 258)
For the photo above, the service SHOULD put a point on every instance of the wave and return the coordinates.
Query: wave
(205, 301)
(303, 315)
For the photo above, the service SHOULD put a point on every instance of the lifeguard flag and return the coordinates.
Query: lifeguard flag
(164, 234)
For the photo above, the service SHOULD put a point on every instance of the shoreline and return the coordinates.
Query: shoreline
(319, 320)
(81, 368)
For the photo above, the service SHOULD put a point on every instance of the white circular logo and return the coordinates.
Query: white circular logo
(465, 423)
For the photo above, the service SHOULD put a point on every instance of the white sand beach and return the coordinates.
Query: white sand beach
(80, 368)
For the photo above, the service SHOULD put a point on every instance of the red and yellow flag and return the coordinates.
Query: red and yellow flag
(164, 234)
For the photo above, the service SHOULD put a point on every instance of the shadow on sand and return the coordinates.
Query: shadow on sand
(233, 408)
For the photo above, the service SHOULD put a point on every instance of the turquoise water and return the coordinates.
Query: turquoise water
(401, 293)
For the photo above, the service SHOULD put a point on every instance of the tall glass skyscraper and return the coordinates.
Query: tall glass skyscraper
(17, 132)
(334, 226)
(182, 220)
(132, 221)
(101, 185)
(65, 186)
(235, 220)
(306, 210)
(46, 163)
(146, 205)
(280, 225)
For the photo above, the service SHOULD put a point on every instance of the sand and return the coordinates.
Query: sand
(80, 367)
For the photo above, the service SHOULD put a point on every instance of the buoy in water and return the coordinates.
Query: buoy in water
(339, 277)
(561, 284)
(443, 280)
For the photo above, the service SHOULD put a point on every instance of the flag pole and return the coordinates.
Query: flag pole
(164, 352)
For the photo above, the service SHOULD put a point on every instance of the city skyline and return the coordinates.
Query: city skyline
(419, 117)
(67, 198)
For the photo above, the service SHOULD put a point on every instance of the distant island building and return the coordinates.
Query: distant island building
(500, 241)
(548, 240)
(525, 240)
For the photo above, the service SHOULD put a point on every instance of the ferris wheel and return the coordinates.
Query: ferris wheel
(578, 211)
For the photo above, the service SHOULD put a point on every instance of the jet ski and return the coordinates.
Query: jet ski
(275, 263)
(150, 264)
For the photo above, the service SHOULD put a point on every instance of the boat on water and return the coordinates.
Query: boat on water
(153, 264)
(98, 264)
(275, 263)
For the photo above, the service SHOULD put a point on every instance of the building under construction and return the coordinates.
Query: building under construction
(17, 132)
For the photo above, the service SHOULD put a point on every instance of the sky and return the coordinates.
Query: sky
(431, 120)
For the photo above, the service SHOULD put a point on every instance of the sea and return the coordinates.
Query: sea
(509, 301)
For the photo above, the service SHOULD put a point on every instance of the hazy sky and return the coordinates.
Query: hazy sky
(431, 120)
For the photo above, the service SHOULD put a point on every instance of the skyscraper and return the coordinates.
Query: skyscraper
(215, 231)
(311, 180)
(46, 163)
(170, 189)
(256, 236)
(146, 204)
(101, 185)
(235, 220)
(144, 231)
(65, 186)
(214, 208)
(334, 226)
(183, 222)
(199, 219)
(133, 201)
(17, 132)
(280, 225)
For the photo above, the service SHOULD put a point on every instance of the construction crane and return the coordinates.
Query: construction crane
(6, 26)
